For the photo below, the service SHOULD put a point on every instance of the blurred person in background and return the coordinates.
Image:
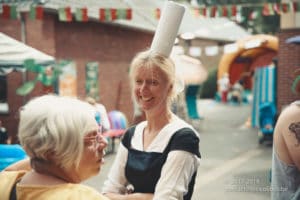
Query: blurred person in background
(3, 134)
(101, 113)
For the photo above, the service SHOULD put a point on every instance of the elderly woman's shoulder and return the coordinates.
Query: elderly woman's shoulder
(82, 192)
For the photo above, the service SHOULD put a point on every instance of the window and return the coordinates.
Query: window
(3, 95)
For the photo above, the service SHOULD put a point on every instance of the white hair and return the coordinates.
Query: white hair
(56, 125)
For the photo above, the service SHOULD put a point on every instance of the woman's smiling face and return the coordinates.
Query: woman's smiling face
(151, 88)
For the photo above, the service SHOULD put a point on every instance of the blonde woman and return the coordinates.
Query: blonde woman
(159, 157)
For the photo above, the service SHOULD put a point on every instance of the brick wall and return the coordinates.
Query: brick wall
(288, 61)
(112, 46)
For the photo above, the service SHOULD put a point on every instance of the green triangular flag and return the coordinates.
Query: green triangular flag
(32, 12)
(78, 14)
(29, 64)
(121, 13)
(13, 11)
(26, 88)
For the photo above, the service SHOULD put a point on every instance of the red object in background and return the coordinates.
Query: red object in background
(39, 10)
(224, 96)
(84, 12)
(128, 13)
(233, 10)
(5, 11)
(224, 11)
(114, 133)
(157, 13)
(113, 14)
(68, 14)
(102, 14)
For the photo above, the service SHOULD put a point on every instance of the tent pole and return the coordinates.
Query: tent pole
(24, 79)
(23, 28)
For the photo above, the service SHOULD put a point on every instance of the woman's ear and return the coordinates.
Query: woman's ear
(171, 87)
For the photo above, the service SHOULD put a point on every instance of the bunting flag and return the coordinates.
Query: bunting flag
(268, 9)
(203, 11)
(36, 12)
(296, 6)
(213, 11)
(65, 14)
(157, 13)
(253, 15)
(124, 14)
(102, 15)
(113, 14)
(285, 7)
(224, 11)
(81, 14)
(128, 13)
(9, 11)
(276, 8)
(233, 10)
(107, 14)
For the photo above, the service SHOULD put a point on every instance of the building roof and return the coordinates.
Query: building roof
(143, 18)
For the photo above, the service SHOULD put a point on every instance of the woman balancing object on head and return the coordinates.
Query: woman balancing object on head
(159, 157)
(61, 137)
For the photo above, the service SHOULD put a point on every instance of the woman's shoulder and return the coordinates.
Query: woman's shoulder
(81, 192)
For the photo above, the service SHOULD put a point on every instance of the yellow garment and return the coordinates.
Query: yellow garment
(44, 192)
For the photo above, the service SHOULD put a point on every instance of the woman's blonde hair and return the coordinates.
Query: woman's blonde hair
(53, 127)
(152, 59)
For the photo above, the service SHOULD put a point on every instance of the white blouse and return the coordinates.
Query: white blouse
(176, 172)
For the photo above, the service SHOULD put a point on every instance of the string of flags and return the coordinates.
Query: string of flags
(265, 9)
(10, 11)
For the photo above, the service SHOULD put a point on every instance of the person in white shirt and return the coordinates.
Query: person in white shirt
(224, 85)
(158, 158)
(103, 117)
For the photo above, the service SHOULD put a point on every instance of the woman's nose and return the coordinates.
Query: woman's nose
(102, 143)
(143, 86)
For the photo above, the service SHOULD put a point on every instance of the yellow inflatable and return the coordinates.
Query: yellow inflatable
(248, 49)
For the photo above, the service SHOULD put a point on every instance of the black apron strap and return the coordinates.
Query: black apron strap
(13, 193)
(126, 140)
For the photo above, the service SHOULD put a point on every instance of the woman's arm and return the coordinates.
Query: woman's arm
(20, 165)
(133, 196)
(176, 175)
(116, 181)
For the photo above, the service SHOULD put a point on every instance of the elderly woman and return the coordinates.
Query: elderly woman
(61, 137)
(158, 158)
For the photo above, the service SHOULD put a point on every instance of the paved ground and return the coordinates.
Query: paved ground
(233, 165)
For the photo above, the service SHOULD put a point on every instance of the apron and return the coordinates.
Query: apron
(143, 168)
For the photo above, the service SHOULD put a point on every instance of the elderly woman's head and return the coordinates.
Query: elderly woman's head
(53, 129)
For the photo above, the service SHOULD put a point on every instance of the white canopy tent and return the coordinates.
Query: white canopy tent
(13, 53)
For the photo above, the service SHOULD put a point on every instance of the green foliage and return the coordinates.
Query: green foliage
(47, 75)
(209, 87)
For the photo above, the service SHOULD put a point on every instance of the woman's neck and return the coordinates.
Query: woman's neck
(156, 121)
(50, 169)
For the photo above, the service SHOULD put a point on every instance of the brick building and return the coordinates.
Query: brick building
(288, 59)
(112, 46)
(110, 43)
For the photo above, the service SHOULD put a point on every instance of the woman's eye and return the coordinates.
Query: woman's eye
(138, 82)
(154, 82)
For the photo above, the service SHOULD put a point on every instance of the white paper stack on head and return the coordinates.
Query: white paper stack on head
(167, 28)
